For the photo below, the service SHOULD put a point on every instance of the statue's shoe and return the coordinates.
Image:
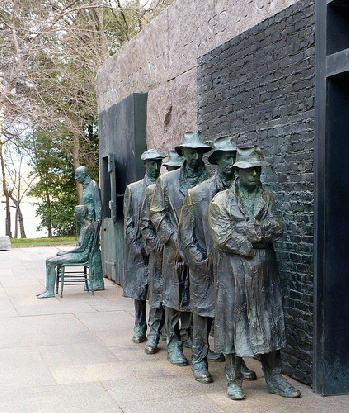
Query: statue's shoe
(235, 392)
(201, 373)
(150, 349)
(187, 342)
(175, 354)
(247, 373)
(151, 345)
(213, 356)
(138, 338)
(280, 386)
(45, 294)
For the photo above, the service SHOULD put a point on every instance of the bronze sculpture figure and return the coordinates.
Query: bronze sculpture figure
(154, 250)
(174, 161)
(78, 255)
(165, 209)
(249, 315)
(135, 283)
(91, 197)
(196, 246)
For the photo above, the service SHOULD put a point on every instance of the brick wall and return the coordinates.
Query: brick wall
(260, 87)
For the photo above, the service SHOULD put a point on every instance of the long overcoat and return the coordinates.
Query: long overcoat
(196, 245)
(165, 209)
(91, 197)
(249, 315)
(135, 283)
(155, 255)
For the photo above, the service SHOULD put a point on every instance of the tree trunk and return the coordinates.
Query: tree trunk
(5, 190)
(16, 223)
(76, 161)
(21, 223)
(49, 223)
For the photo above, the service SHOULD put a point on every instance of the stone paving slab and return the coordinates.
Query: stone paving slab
(75, 354)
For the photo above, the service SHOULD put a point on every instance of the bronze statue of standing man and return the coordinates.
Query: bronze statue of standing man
(91, 197)
(165, 208)
(135, 283)
(196, 245)
(249, 318)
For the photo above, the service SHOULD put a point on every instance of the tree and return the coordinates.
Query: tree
(49, 58)
(52, 164)
(19, 184)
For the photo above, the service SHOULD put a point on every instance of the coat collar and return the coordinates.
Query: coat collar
(260, 200)
(188, 181)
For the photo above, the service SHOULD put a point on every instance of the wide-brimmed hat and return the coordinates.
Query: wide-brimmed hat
(152, 154)
(174, 159)
(221, 144)
(249, 157)
(192, 140)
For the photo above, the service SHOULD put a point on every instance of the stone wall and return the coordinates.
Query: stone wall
(162, 60)
(260, 87)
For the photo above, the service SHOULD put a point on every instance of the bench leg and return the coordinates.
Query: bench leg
(62, 280)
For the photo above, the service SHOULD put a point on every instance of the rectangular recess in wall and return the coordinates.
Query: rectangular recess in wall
(338, 22)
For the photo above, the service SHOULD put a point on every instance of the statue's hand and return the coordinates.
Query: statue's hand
(207, 269)
(179, 265)
(253, 229)
(158, 245)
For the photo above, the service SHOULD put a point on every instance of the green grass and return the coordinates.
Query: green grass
(31, 242)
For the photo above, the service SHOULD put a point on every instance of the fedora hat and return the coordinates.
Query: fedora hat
(192, 140)
(249, 157)
(152, 154)
(221, 144)
(174, 159)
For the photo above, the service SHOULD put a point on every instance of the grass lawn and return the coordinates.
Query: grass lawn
(31, 242)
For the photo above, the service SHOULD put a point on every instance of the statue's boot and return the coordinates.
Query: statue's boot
(234, 377)
(277, 384)
(246, 372)
(140, 327)
(201, 373)
(156, 322)
(199, 353)
(46, 294)
(175, 353)
(49, 292)
(185, 331)
(213, 356)
(151, 346)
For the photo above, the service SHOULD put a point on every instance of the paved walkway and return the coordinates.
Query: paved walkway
(75, 355)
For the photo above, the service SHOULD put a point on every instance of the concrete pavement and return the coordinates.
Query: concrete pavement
(75, 354)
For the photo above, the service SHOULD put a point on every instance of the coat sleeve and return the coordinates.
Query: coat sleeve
(146, 226)
(271, 225)
(188, 248)
(98, 203)
(129, 223)
(227, 229)
(159, 213)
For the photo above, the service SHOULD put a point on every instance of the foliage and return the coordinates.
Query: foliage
(52, 164)
(49, 56)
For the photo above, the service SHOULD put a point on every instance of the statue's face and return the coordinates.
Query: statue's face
(250, 177)
(78, 215)
(225, 162)
(79, 175)
(193, 156)
(152, 167)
